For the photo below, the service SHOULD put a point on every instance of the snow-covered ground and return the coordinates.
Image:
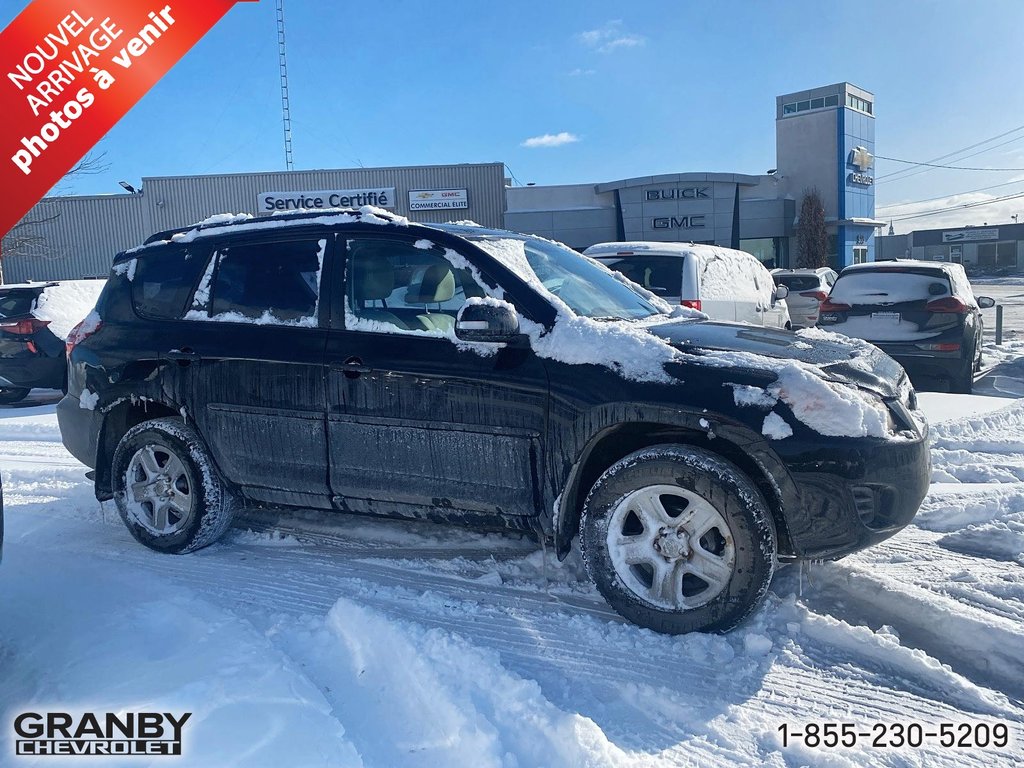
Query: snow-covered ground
(309, 640)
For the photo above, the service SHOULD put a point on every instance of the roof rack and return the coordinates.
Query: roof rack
(289, 215)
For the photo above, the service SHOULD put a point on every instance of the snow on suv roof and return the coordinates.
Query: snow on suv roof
(660, 249)
(245, 222)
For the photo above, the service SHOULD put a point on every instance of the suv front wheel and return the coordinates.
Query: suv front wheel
(166, 488)
(678, 539)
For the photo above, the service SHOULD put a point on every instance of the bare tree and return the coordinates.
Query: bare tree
(27, 237)
(811, 232)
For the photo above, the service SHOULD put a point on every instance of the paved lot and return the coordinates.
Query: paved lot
(1012, 299)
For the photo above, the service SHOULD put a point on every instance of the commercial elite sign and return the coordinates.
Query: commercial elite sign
(438, 199)
(382, 197)
(970, 235)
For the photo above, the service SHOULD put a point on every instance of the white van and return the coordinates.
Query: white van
(726, 284)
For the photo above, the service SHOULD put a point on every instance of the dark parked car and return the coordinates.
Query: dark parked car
(353, 361)
(35, 319)
(923, 314)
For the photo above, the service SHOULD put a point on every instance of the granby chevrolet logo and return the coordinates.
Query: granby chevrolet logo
(89, 733)
(863, 161)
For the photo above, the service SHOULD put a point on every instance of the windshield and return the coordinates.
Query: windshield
(587, 288)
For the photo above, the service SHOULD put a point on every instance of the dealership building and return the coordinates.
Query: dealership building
(997, 249)
(824, 141)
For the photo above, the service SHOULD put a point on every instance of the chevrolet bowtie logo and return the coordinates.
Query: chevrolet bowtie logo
(423, 195)
(861, 159)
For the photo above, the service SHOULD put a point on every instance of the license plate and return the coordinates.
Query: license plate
(887, 318)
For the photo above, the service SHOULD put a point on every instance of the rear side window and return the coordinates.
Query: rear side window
(14, 303)
(661, 275)
(888, 287)
(162, 281)
(275, 283)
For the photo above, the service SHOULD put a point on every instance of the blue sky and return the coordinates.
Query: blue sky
(645, 87)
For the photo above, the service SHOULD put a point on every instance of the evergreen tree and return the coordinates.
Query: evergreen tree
(811, 233)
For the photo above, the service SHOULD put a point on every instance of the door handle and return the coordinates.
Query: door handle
(352, 367)
(184, 356)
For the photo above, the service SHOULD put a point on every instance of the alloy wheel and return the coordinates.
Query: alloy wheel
(158, 491)
(671, 547)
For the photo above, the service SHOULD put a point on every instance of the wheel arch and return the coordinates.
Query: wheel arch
(124, 415)
(618, 441)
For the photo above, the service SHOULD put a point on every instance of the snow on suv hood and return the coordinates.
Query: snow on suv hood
(842, 360)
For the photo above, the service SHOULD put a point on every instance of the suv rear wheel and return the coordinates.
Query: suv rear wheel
(678, 539)
(166, 488)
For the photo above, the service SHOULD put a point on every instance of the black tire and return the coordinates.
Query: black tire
(962, 382)
(210, 509)
(703, 476)
(13, 395)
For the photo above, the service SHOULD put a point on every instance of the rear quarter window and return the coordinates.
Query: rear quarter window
(163, 281)
(732, 275)
(262, 283)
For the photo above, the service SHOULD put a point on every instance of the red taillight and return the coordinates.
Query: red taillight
(83, 331)
(29, 326)
(830, 306)
(819, 295)
(691, 303)
(949, 304)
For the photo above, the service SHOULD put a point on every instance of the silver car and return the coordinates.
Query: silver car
(808, 288)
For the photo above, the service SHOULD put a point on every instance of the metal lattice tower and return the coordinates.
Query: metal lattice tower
(286, 112)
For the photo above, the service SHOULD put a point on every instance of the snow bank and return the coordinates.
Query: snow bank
(79, 636)
(409, 695)
(67, 303)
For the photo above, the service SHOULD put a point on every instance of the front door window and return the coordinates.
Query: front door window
(396, 286)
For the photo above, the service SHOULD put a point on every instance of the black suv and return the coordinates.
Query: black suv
(924, 314)
(353, 361)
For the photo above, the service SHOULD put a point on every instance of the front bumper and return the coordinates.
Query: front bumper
(79, 429)
(854, 492)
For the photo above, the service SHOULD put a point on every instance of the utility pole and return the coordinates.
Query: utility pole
(286, 112)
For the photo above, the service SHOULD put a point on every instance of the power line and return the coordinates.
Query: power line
(943, 197)
(960, 207)
(950, 167)
(517, 181)
(907, 173)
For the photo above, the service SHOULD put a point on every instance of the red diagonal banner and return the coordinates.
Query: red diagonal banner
(69, 70)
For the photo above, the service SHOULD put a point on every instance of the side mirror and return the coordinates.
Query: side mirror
(986, 302)
(781, 292)
(487, 320)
